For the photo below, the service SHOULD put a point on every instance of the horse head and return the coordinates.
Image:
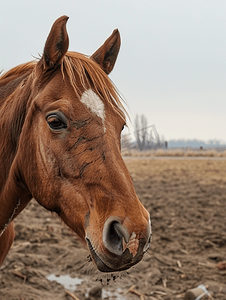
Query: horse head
(69, 156)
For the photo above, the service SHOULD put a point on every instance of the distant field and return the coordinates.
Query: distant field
(175, 152)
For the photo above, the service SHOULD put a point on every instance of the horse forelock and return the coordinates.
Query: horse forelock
(92, 76)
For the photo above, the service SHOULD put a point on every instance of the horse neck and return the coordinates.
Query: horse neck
(13, 103)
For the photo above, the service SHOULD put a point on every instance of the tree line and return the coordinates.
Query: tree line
(147, 138)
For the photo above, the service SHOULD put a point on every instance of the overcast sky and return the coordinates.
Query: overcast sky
(172, 62)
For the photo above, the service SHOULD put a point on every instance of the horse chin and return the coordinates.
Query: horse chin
(122, 262)
(98, 262)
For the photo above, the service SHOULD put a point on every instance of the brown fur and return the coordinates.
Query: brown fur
(76, 171)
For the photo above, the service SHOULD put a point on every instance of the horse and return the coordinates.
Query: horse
(61, 119)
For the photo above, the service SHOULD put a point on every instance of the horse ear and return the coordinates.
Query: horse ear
(107, 54)
(56, 44)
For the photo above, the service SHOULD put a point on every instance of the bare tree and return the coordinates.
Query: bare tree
(141, 133)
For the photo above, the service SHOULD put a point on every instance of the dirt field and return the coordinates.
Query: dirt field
(187, 203)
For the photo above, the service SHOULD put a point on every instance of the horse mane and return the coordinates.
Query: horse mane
(19, 70)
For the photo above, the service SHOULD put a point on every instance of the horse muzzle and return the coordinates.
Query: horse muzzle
(119, 249)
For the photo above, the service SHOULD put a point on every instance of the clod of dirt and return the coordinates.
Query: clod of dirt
(95, 293)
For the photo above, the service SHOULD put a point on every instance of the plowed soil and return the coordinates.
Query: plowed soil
(187, 203)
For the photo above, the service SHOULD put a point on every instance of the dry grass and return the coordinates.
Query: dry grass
(175, 152)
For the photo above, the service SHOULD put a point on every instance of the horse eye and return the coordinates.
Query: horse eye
(56, 122)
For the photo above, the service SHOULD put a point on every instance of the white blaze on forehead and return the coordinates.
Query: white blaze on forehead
(94, 103)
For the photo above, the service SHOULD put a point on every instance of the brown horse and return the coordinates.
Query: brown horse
(60, 125)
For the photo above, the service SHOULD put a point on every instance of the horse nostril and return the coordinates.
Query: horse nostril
(113, 235)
